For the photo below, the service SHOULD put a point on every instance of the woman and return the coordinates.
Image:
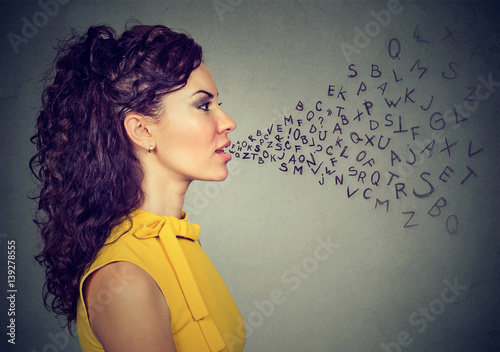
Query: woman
(126, 125)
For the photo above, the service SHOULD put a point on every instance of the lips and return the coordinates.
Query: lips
(220, 151)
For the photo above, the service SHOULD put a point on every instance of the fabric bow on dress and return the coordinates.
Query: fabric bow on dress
(168, 229)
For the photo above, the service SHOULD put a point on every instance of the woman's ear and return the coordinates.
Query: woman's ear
(138, 130)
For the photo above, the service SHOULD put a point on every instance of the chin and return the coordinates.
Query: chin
(221, 176)
(216, 174)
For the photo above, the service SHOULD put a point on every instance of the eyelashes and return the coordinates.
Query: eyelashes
(205, 105)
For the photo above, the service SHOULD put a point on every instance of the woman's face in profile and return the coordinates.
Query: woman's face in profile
(193, 131)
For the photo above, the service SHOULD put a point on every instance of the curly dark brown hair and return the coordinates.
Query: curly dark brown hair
(90, 178)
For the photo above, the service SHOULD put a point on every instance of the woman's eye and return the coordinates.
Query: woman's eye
(205, 106)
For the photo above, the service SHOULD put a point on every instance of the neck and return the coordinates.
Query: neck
(164, 198)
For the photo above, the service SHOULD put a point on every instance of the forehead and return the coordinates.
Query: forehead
(200, 79)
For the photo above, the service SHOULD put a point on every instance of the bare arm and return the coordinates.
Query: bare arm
(130, 317)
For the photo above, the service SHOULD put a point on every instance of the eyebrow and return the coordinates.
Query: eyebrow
(210, 95)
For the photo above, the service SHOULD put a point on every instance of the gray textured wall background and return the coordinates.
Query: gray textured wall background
(378, 283)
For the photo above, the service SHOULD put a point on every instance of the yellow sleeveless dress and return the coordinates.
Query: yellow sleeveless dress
(204, 316)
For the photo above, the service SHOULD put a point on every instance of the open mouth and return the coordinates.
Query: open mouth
(222, 152)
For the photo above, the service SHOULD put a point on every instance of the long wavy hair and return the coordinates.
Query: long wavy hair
(90, 179)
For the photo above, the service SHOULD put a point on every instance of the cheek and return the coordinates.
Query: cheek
(193, 136)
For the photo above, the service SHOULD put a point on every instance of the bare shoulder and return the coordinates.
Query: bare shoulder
(115, 277)
(127, 310)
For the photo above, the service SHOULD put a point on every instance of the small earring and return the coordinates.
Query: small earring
(151, 148)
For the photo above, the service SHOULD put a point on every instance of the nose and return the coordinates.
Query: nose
(226, 124)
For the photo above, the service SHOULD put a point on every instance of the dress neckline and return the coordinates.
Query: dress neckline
(148, 225)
